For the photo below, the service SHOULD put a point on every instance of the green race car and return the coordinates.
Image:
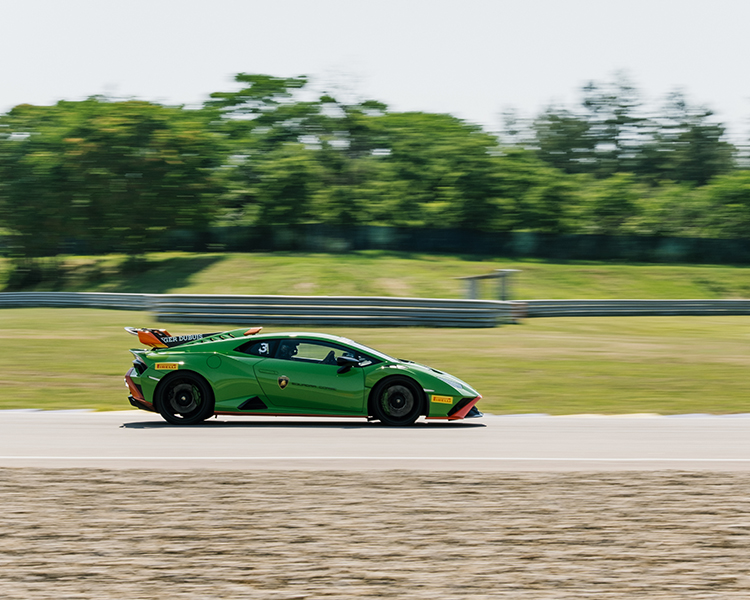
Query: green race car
(187, 379)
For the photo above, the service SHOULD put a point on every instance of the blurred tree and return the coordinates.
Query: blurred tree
(612, 133)
(129, 175)
(443, 170)
(108, 175)
(548, 206)
(351, 148)
(535, 197)
(517, 131)
(612, 204)
(259, 118)
(672, 209)
(565, 140)
(266, 121)
(288, 179)
(265, 104)
(34, 184)
(613, 112)
(729, 196)
(686, 145)
(398, 168)
(349, 194)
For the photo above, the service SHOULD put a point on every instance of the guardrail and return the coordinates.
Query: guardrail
(630, 308)
(282, 310)
(76, 300)
(363, 310)
(331, 310)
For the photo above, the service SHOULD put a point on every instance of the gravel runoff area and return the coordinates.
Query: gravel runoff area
(104, 534)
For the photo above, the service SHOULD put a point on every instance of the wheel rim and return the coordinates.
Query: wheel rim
(398, 401)
(184, 398)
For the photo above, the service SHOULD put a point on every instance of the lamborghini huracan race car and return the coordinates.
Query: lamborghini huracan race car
(189, 378)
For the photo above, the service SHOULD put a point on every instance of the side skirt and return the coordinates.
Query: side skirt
(267, 414)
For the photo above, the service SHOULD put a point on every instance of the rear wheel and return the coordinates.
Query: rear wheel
(184, 399)
(396, 401)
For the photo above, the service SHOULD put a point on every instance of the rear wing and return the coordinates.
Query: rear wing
(161, 338)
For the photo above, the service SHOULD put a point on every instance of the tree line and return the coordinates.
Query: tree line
(119, 175)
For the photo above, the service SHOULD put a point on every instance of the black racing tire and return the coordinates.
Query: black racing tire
(184, 398)
(396, 401)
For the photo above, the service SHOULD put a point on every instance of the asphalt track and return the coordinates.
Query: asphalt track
(135, 439)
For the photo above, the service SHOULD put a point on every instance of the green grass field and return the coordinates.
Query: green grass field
(376, 273)
(75, 358)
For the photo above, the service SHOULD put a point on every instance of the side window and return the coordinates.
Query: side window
(317, 352)
(265, 349)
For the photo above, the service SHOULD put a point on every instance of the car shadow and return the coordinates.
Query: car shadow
(218, 424)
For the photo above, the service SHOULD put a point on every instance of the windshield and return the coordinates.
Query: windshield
(368, 350)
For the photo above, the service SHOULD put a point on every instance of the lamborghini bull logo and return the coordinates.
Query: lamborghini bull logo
(283, 381)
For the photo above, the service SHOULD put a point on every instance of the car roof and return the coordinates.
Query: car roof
(301, 334)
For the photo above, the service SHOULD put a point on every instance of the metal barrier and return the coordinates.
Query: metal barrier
(75, 300)
(332, 310)
(362, 310)
(631, 308)
(281, 310)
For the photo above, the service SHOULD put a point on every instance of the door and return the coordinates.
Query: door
(303, 376)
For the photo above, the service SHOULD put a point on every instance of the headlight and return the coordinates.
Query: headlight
(456, 384)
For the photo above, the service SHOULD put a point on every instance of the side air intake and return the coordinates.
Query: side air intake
(253, 403)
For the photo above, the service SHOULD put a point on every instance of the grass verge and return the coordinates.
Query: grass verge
(378, 273)
(75, 358)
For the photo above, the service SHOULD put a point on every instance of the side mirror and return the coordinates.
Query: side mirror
(345, 363)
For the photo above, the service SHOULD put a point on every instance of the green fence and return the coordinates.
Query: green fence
(323, 238)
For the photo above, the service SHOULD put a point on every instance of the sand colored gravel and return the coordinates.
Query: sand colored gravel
(99, 534)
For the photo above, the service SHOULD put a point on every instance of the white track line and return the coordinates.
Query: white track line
(378, 458)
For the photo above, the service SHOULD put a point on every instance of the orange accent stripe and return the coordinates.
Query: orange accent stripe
(460, 414)
(133, 388)
(149, 339)
(253, 330)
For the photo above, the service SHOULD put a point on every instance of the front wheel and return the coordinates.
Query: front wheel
(396, 401)
(184, 399)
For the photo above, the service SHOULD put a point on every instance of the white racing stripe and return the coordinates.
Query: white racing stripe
(380, 458)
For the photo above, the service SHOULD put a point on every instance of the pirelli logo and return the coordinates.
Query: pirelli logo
(167, 366)
(443, 399)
